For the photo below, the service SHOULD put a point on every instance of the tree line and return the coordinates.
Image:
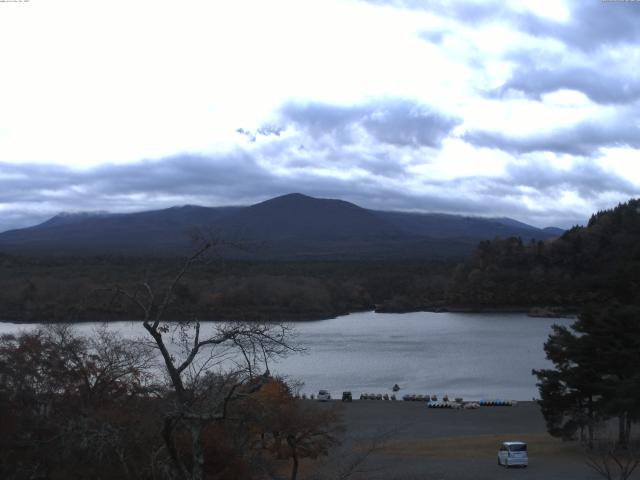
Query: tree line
(74, 289)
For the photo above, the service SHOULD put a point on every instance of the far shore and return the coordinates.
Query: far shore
(531, 311)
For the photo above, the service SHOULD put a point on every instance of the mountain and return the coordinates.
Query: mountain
(298, 216)
(292, 226)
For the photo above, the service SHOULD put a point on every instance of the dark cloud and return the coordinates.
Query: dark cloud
(318, 119)
(190, 174)
(542, 183)
(509, 195)
(44, 190)
(593, 24)
(404, 123)
(393, 122)
(29, 182)
(583, 139)
(600, 87)
(369, 137)
(586, 178)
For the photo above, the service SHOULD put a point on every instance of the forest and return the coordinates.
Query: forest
(597, 263)
(49, 289)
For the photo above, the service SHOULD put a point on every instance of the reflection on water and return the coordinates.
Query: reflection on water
(460, 354)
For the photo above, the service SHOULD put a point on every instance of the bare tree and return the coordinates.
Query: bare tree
(207, 367)
(613, 460)
(350, 461)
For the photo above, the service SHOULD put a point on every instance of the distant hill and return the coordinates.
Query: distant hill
(293, 226)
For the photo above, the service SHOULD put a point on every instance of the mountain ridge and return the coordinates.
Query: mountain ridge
(288, 226)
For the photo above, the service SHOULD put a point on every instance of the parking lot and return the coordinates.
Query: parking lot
(415, 442)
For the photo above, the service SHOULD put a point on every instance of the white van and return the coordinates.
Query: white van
(513, 454)
(324, 396)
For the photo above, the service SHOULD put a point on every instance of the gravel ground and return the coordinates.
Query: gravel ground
(438, 444)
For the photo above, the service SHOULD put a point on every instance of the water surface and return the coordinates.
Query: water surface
(460, 354)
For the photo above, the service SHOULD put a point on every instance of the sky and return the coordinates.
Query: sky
(521, 108)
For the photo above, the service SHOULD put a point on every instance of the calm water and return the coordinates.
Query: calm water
(470, 355)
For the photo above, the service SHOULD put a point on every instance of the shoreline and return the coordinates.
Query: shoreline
(489, 310)
(531, 311)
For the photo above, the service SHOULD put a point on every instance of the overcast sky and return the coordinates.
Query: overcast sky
(524, 108)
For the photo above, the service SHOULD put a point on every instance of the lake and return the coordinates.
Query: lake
(471, 355)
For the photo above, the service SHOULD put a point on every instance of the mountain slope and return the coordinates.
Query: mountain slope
(287, 227)
(439, 225)
(157, 231)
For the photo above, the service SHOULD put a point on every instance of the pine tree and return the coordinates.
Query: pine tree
(596, 374)
(569, 393)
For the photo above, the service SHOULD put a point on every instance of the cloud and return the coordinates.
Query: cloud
(600, 87)
(585, 138)
(433, 36)
(42, 190)
(463, 10)
(591, 25)
(587, 178)
(34, 192)
(395, 122)
(365, 153)
(536, 191)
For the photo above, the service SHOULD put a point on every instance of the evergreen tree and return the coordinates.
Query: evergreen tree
(615, 333)
(596, 373)
(569, 393)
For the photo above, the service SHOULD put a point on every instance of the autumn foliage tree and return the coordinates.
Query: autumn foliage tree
(292, 428)
(68, 403)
